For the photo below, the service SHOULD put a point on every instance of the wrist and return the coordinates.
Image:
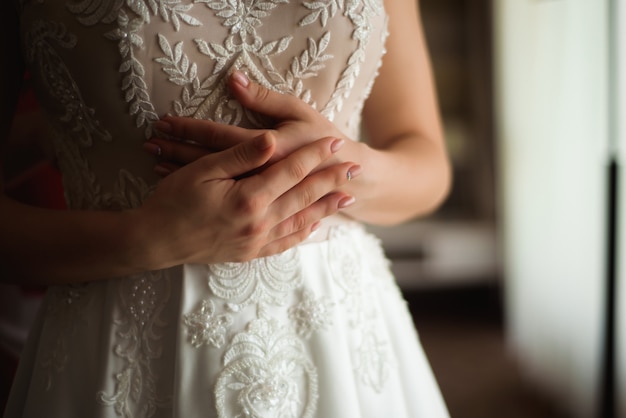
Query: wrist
(145, 249)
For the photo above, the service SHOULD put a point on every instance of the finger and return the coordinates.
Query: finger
(265, 101)
(210, 134)
(283, 175)
(287, 242)
(238, 160)
(179, 152)
(311, 189)
(326, 206)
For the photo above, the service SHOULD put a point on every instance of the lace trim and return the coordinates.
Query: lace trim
(361, 21)
(142, 300)
(78, 119)
(134, 87)
(65, 308)
(373, 359)
(261, 281)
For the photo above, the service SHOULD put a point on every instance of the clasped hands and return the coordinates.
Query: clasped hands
(234, 194)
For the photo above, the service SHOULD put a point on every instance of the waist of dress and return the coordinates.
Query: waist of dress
(323, 232)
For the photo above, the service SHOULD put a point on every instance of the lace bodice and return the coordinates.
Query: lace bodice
(105, 70)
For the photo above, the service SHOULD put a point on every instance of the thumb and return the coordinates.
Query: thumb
(265, 101)
(240, 159)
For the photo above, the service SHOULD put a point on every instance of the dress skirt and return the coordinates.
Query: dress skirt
(320, 331)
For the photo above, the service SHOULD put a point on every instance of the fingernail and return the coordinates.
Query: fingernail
(152, 148)
(353, 172)
(162, 170)
(263, 142)
(346, 201)
(336, 145)
(240, 78)
(162, 126)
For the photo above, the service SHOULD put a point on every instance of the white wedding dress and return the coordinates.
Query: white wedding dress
(318, 331)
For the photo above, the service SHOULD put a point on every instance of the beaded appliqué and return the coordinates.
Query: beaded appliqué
(142, 298)
(64, 310)
(78, 118)
(311, 315)
(264, 367)
(243, 49)
(129, 39)
(207, 328)
(360, 17)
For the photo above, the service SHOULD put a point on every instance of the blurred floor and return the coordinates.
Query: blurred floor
(462, 332)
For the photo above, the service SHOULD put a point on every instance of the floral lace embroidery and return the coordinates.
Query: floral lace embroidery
(207, 328)
(134, 87)
(264, 367)
(262, 280)
(142, 299)
(128, 36)
(78, 118)
(310, 315)
(64, 310)
(242, 48)
(355, 119)
(82, 189)
(373, 359)
(361, 20)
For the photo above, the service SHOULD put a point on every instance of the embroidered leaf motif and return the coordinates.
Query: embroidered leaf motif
(305, 66)
(321, 10)
(78, 118)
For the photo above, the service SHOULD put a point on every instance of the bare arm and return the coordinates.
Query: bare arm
(38, 243)
(406, 170)
(256, 216)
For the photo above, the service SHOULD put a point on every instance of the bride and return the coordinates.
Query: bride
(213, 261)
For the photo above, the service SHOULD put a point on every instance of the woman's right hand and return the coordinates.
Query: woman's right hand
(205, 213)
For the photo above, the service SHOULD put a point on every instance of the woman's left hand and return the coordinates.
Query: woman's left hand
(296, 124)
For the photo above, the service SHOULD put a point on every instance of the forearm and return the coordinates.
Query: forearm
(407, 178)
(42, 246)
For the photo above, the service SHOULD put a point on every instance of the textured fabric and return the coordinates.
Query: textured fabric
(318, 331)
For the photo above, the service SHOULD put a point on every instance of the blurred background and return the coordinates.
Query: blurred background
(510, 282)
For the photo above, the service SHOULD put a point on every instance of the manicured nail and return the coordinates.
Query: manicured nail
(152, 148)
(240, 78)
(336, 145)
(162, 170)
(263, 142)
(163, 126)
(353, 172)
(346, 201)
